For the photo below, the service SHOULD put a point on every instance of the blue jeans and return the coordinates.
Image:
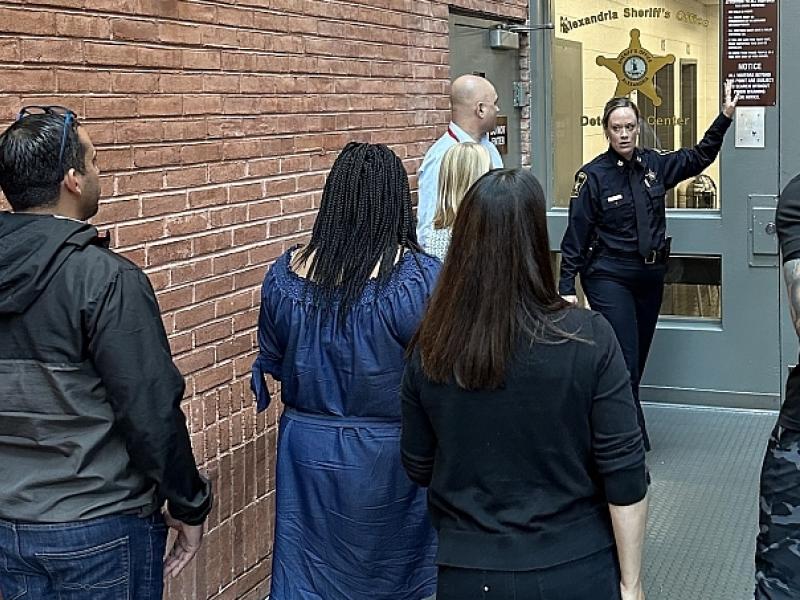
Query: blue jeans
(117, 557)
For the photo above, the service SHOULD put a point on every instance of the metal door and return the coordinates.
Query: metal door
(722, 239)
(470, 52)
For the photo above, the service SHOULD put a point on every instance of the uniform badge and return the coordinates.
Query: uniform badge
(580, 179)
(651, 175)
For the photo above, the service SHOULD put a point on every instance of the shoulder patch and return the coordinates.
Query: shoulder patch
(580, 180)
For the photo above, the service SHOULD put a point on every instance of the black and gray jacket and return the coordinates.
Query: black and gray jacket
(90, 418)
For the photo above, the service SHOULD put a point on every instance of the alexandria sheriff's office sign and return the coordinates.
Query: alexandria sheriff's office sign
(568, 23)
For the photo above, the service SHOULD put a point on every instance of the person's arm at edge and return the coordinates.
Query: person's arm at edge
(427, 185)
(629, 523)
(791, 276)
(619, 454)
(130, 351)
(418, 440)
(580, 227)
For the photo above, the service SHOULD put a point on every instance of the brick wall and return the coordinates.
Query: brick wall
(215, 124)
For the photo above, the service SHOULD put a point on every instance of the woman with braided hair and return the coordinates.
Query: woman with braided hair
(336, 316)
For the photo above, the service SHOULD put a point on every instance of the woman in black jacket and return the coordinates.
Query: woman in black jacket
(518, 416)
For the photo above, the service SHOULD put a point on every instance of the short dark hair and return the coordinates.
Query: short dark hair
(30, 172)
(497, 287)
(614, 104)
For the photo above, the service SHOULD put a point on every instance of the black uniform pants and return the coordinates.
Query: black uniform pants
(628, 294)
(595, 577)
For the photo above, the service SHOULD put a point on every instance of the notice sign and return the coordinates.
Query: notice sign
(750, 49)
(499, 135)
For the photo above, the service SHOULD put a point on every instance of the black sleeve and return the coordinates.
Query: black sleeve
(788, 220)
(580, 228)
(132, 356)
(616, 437)
(418, 440)
(689, 162)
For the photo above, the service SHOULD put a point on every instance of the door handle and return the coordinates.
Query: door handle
(770, 229)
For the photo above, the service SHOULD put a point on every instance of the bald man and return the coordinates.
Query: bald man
(473, 105)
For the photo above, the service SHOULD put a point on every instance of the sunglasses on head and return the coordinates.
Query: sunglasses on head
(62, 111)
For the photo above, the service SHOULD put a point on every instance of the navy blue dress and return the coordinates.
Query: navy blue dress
(349, 524)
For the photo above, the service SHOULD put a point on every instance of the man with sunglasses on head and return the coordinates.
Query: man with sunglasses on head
(92, 438)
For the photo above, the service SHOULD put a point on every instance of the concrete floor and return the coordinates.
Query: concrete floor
(703, 520)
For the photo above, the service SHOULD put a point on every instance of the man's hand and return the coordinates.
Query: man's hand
(185, 546)
(730, 100)
(572, 299)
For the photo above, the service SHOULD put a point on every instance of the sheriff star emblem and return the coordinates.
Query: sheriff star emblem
(635, 69)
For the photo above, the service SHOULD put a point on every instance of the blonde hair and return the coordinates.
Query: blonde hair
(461, 166)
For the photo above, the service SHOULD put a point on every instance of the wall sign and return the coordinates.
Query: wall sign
(750, 49)
(499, 136)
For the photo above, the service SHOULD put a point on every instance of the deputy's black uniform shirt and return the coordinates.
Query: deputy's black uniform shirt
(788, 222)
(602, 206)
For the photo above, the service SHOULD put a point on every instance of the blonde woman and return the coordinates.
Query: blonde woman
(461, 166)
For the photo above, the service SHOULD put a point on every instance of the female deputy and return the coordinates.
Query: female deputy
(616, 239)
(518, 416)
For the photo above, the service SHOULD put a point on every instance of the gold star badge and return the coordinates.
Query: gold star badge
(635, 69)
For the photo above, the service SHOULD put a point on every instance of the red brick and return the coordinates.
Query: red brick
(186, 224)
(212, 333)
(193, 271)
(180, 84)
(109, 54)
(9, 51)
(229, 263)
(138, 130)
(194, 316)
(179, 33)
(200, 359)
(226, 172)
(37, 22)
(137, 183)
(156, 156)
(128, 235)
(80, 26)
(187, 176)
(250, 235)
(97, 108)
(83, 81)
(159, 57)
(209, 378)
(215, 196)
(163, 204)
(172, 299)
(225, 216)
(202, 59)
(162, 254)
(139, 83)
(246, 192)
(160, 105)
(117, 211)
(202, 105)
(264, 209)
(211, 242)
(27, 80)
(132, 30)
(199, 153)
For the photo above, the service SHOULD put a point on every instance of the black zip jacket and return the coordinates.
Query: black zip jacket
(90, 418)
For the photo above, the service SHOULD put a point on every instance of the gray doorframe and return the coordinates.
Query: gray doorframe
(736, 362)
(789, 157)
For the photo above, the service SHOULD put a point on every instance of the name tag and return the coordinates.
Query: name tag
(611, 199)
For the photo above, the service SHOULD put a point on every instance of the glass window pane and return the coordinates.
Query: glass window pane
(603, 48)
(692, 287)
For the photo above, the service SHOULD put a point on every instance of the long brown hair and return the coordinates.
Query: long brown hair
(496, 287)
